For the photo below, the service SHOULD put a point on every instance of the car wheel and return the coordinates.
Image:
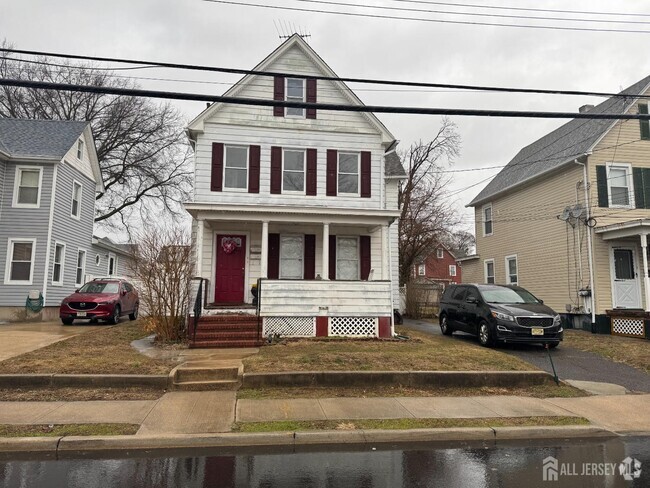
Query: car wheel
(67, 321)
(116, 316)
(553, 345)
(485, 334)
(444, 326)
(134, 315)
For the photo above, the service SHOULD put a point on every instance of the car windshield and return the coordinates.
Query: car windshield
(507, 295)
(99, 287)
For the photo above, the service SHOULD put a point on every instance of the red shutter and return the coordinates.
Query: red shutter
(365, 174)
(332, 258)
(311, 97)
(332, 163)
(310, 257)
(278, 94)
(274, 257)
(311, 172)
(216, 179)
(364, 257)
(276, 170)
(254, 169)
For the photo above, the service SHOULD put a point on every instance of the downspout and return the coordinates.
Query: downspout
(589, 240)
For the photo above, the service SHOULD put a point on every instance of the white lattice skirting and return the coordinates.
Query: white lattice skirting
(290, 326)
(353, 326)
(626, 326)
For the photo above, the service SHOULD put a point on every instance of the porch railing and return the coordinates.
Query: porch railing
(199, 300)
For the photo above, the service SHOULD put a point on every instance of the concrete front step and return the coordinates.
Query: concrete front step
(227, 318)
(207, 385)
(225, 343)
(188, 374)
(226, 335)
(226, 326)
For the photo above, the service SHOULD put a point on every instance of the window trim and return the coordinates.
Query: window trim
(338, 173)
(422, 269)
(225, 164)
(61, 264)
(483, 209)
(455, 273)
(83, 267)
(10, 252)
(440, 253)
(304, 172)
(81, 188)
(19, 170)
(485, 272)
(630, 184)
(286, 97)
(302, 259)
(507, 260)
(338, 255)
(80, 149)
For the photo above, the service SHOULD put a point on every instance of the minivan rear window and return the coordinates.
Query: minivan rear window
(459, 293)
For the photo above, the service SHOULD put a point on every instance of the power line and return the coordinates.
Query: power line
(439, 21)
(316, 77)
(319, 106)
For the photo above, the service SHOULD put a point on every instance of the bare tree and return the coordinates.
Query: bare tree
(141, 146)
(426, 214)
(462, 243)
(162, 267)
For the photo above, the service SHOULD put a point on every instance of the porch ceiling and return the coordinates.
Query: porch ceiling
(631, 228)
(316, 215)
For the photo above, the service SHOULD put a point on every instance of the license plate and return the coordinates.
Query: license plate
(537, 331)
(81, 314)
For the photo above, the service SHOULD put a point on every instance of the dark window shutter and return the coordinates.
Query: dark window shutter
(310, 257)
(645, 124)
(274, 257)
(216, 179)
(276, 170)
(601, 183)
(332, 258)
(311, 97)
(364, 257)
(641, 187)
(646, 186)
(332, 166)
(254, 169)
(365, 174)
(278, 94)
(311, 172)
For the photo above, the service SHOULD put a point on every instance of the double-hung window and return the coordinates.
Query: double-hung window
(80, 150)
(487, 220)
(20, 261)
(422, 269)
(512, 277)
(81, 267)
(235, 168)
(347, 258)
(27, 188)
(439, 253)
(295, 90)
(76, 200)
(57, 266)
(348, 173)
(293, 171)
(619, 182)
(452, 270)
(489, 271)
(291, 257)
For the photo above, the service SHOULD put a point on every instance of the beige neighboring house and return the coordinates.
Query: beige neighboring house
(568, 218)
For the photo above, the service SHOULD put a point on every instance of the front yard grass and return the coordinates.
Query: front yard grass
(402, 424)
(421, 353)
(105, 351)
(67, 430)
(627, 350)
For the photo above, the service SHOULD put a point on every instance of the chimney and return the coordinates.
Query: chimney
(585, 108)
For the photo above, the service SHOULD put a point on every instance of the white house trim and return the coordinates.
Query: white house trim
(19, 170)
(507, 268)
(62, 263)
(10, 251)
(485, 270)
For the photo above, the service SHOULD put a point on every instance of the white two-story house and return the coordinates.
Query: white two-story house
(303, 199)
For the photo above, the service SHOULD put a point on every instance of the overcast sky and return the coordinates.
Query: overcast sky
(198, 32)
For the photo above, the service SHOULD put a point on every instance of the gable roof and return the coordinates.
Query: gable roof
(393, 167)
(566, 143)
(294, 40)
(39, 139)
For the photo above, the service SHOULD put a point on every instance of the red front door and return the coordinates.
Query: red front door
(231, 263)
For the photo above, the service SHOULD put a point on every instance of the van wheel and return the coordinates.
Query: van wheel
(485, 334)
(444, 326)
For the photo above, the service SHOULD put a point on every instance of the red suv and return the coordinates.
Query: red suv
(103, 298)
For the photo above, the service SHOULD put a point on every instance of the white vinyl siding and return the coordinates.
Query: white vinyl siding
(58, 263)
(235, 168)
(293, 171)
(619, 185)
(487, 220)
(348, 174)
(295, 92)
(27, 186)
(20, 261)
(291, 257)
(490, 277)
(347, 258)
(512, 273)
(75, 210)
(81, 267)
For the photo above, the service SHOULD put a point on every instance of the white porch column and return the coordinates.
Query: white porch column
(385, 255)
(264, 258)
(646, 278)
(326, 252)
(199, 247)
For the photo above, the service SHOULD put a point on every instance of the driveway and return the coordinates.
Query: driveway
(570, 363)
(19, 338)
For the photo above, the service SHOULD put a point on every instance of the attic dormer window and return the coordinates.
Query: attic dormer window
(291, 89)
(80, 150)
(295, 93)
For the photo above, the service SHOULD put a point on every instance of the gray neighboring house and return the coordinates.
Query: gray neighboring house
(49, 176)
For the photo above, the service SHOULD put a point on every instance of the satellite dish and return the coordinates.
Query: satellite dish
(577, 211)
(566, 213)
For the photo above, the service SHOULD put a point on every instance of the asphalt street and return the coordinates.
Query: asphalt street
(570, 363)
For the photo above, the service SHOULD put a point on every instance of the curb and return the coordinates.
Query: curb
(82, 380)
(405, 378)
(75, 446)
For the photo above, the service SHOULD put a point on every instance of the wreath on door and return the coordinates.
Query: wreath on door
(230, 244)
